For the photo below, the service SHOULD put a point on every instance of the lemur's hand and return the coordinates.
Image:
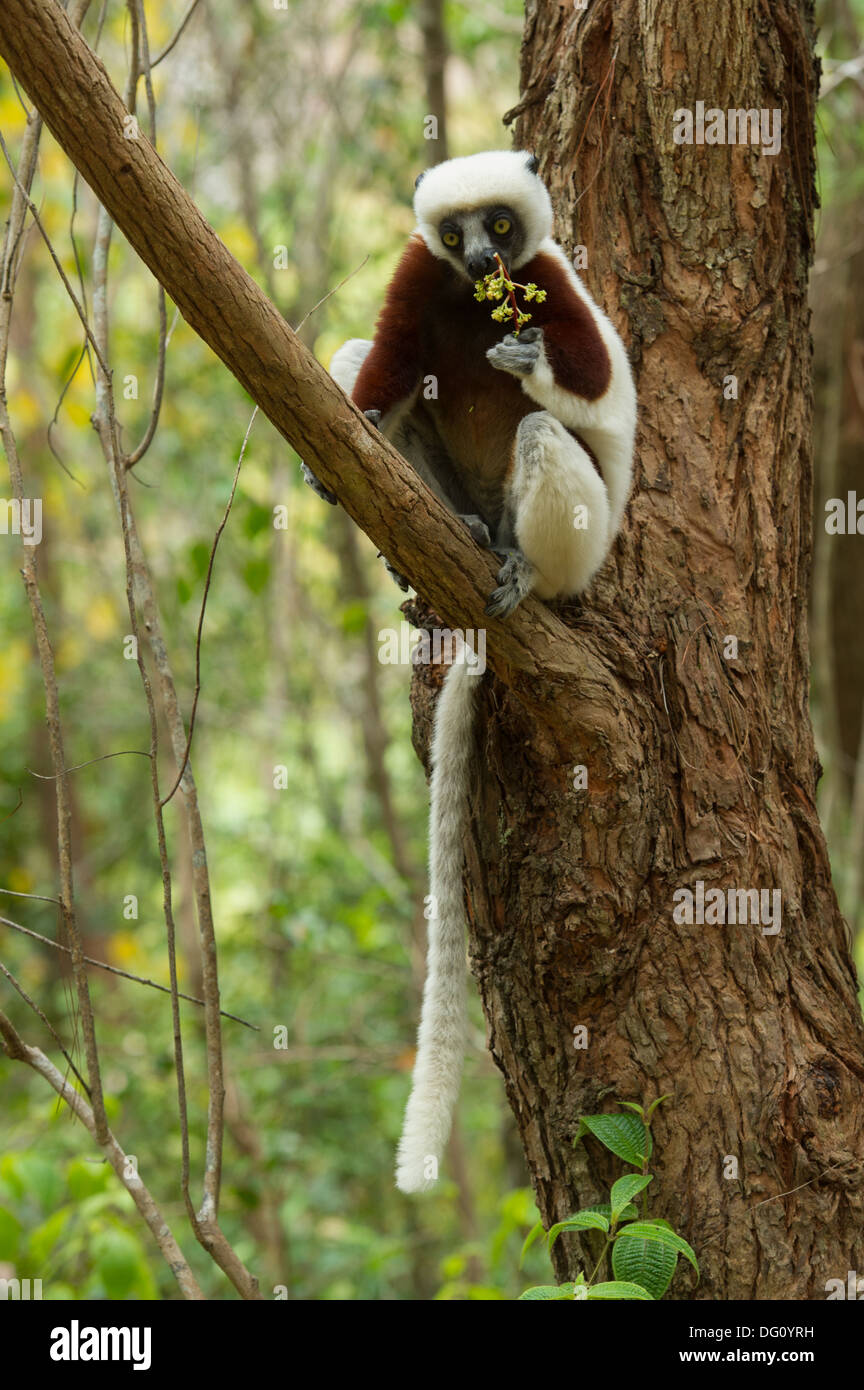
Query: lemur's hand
(373, 416)
(518, 356)
(317, 486)
(478, 528)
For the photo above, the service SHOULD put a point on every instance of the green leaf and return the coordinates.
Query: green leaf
(619, 1290)
(625, 1189)
(257, 518)
(547, 1293)
(533, 1234)
(623, 1135)
(605, 1209)
(631, 1105)
(653, 1106)
(118, 1258)
(582, 1221)
(83, 1179)
(645, 1262)
(649, 1230)
(256, 573)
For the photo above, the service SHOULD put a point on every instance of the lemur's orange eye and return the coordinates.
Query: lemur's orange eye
(502, 226)
(450, 238)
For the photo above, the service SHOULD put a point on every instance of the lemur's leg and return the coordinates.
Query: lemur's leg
(556, 522)
(409, 433)
(417, 440)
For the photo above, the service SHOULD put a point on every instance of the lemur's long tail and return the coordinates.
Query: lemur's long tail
(441, 1036)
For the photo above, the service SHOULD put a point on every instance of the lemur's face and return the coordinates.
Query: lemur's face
(472, 239)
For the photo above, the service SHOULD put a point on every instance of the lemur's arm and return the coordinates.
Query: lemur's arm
(562, 357)
(390, 375)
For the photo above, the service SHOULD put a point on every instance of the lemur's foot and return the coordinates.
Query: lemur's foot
(317, 487)
(478, 528)
(394, 573)
(515, 579)
(518, 356)
(373, 416)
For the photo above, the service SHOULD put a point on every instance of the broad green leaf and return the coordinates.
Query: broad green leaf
(624, 1135)
(546, 1293)
(645, 1262)
(625, 1189)
(649, 1230)
(617, 1289)
(582, 1221)
(533, 1234)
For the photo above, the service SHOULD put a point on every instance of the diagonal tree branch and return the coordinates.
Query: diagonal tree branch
(222, 303)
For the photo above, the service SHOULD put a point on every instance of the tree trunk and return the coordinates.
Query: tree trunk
(701, 764)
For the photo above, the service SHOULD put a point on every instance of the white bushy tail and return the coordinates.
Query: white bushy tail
(347, 360)
(441, 1036)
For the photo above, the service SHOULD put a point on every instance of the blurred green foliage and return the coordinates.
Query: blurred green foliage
(300, 134)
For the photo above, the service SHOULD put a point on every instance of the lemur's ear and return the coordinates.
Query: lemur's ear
(533, 163)
(419, 177)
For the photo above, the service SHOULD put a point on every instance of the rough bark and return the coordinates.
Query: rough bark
(700, 767)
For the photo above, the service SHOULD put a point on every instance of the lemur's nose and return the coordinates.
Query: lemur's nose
(481, 263)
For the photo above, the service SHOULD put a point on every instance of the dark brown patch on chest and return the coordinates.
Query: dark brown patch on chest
(478, 409)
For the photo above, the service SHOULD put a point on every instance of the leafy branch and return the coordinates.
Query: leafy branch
(644, 1249)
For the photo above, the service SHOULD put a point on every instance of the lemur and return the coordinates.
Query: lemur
(527, 435)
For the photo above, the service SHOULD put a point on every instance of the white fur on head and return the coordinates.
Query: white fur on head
(476, 180)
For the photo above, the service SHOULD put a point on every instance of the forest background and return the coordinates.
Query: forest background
(300, 137)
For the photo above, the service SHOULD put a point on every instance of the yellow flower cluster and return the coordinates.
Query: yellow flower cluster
(498, 284)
